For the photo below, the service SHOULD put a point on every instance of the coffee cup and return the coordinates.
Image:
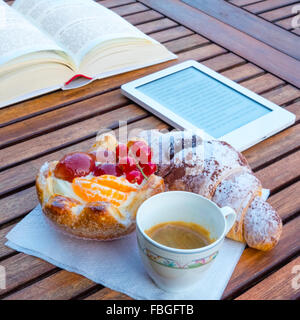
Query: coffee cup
(172, 269)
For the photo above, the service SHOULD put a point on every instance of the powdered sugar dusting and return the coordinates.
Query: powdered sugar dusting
(217, 161)
(44, 170)
(185, 160)
(236, 191)
(262, 224)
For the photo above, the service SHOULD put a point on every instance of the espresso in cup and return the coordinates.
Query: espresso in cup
(168, 219)
(180, 235)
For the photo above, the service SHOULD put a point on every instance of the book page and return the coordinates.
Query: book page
(19, 37)
(77, 25)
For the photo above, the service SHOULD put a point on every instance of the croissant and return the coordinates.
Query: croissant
(215, 170)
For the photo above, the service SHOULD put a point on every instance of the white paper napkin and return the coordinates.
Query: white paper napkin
(114, 264)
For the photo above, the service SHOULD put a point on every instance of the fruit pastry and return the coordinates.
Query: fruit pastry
(95, 195)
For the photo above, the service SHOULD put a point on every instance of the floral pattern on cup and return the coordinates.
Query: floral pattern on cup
(175, 264)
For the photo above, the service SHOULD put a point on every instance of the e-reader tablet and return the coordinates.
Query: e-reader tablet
(191, 96)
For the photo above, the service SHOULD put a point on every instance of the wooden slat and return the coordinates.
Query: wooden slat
(69, 135)
(295, 108)
(202, 53)
(243, 2)
(171, 34)
(274, 147)
(268, 5)
(287, 201)
(4, 251)
(143, 17)
(24, 174)
(186, 43)
(283, 95)
(254, 263)
(281, 172)
(296, 31)
(224, 62)
(243, 72)
(250, 24)
(18, 203)
(107, 294)
(232, 39)
(157, 25)
(115, 3)
(59, 118)
(263, 83)
(130, 9)
(60, 286)
(277, 14)
(23, 268)
(286, 24)
(278, 286)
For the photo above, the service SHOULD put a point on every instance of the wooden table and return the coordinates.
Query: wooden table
(260, 51)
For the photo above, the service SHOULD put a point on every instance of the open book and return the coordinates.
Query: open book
(50, 44)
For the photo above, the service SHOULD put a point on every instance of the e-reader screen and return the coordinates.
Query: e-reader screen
(204, 101)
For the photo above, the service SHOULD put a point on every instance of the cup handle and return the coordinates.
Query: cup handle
(230, 217)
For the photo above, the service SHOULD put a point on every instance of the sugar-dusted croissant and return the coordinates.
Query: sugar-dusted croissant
(217, 171)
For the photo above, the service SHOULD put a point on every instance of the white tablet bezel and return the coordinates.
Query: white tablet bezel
(241, 138)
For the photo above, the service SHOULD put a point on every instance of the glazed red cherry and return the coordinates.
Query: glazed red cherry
(134, 176)
(78, 164)
(149, 168)
(136, 146)
(141, 151)
(93, 155)
(104, 156)
(108, 168)
(127, 164)
(121, 150)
